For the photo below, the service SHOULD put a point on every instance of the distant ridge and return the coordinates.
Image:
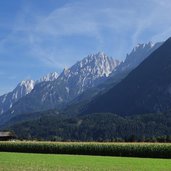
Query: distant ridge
(21, 90)
(147, 89)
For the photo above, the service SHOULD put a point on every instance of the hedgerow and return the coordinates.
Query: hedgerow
(150, 150)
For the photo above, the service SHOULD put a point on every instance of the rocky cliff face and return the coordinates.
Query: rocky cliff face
(85, 74)
(22, 89)
(145, 90)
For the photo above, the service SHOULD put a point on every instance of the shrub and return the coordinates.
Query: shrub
(150, 150)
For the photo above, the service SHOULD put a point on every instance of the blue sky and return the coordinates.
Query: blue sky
(42, 36)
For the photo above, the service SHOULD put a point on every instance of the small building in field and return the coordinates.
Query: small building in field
(6, 135)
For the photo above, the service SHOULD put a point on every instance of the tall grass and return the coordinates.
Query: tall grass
(150, 150)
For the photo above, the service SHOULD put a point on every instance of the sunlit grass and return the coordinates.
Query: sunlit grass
(51, 162)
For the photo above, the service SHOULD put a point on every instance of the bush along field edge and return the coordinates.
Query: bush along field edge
(146, 150)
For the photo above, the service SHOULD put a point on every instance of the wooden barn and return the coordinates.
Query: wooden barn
(6, 135)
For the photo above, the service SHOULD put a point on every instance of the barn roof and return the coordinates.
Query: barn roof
(5, 134)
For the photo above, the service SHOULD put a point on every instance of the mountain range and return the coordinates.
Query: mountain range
(132, 60)
(147, 89)
(22, 89)
(54, 91)
(93, 88)
(71, 83)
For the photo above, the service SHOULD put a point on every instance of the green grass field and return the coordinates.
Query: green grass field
(51, 162)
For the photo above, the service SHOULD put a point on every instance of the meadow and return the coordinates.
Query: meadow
(84, 156)
(52, 162)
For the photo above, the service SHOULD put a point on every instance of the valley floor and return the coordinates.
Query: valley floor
(50, 162)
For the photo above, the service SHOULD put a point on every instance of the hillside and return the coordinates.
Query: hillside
(147, 89)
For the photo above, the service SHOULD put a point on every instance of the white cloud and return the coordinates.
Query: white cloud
(74, 20)
(155, 23)
(41, 35)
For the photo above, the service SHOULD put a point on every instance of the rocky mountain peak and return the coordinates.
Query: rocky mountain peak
(49, 77)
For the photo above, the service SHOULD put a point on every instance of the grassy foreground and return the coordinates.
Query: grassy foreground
(51, 162)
